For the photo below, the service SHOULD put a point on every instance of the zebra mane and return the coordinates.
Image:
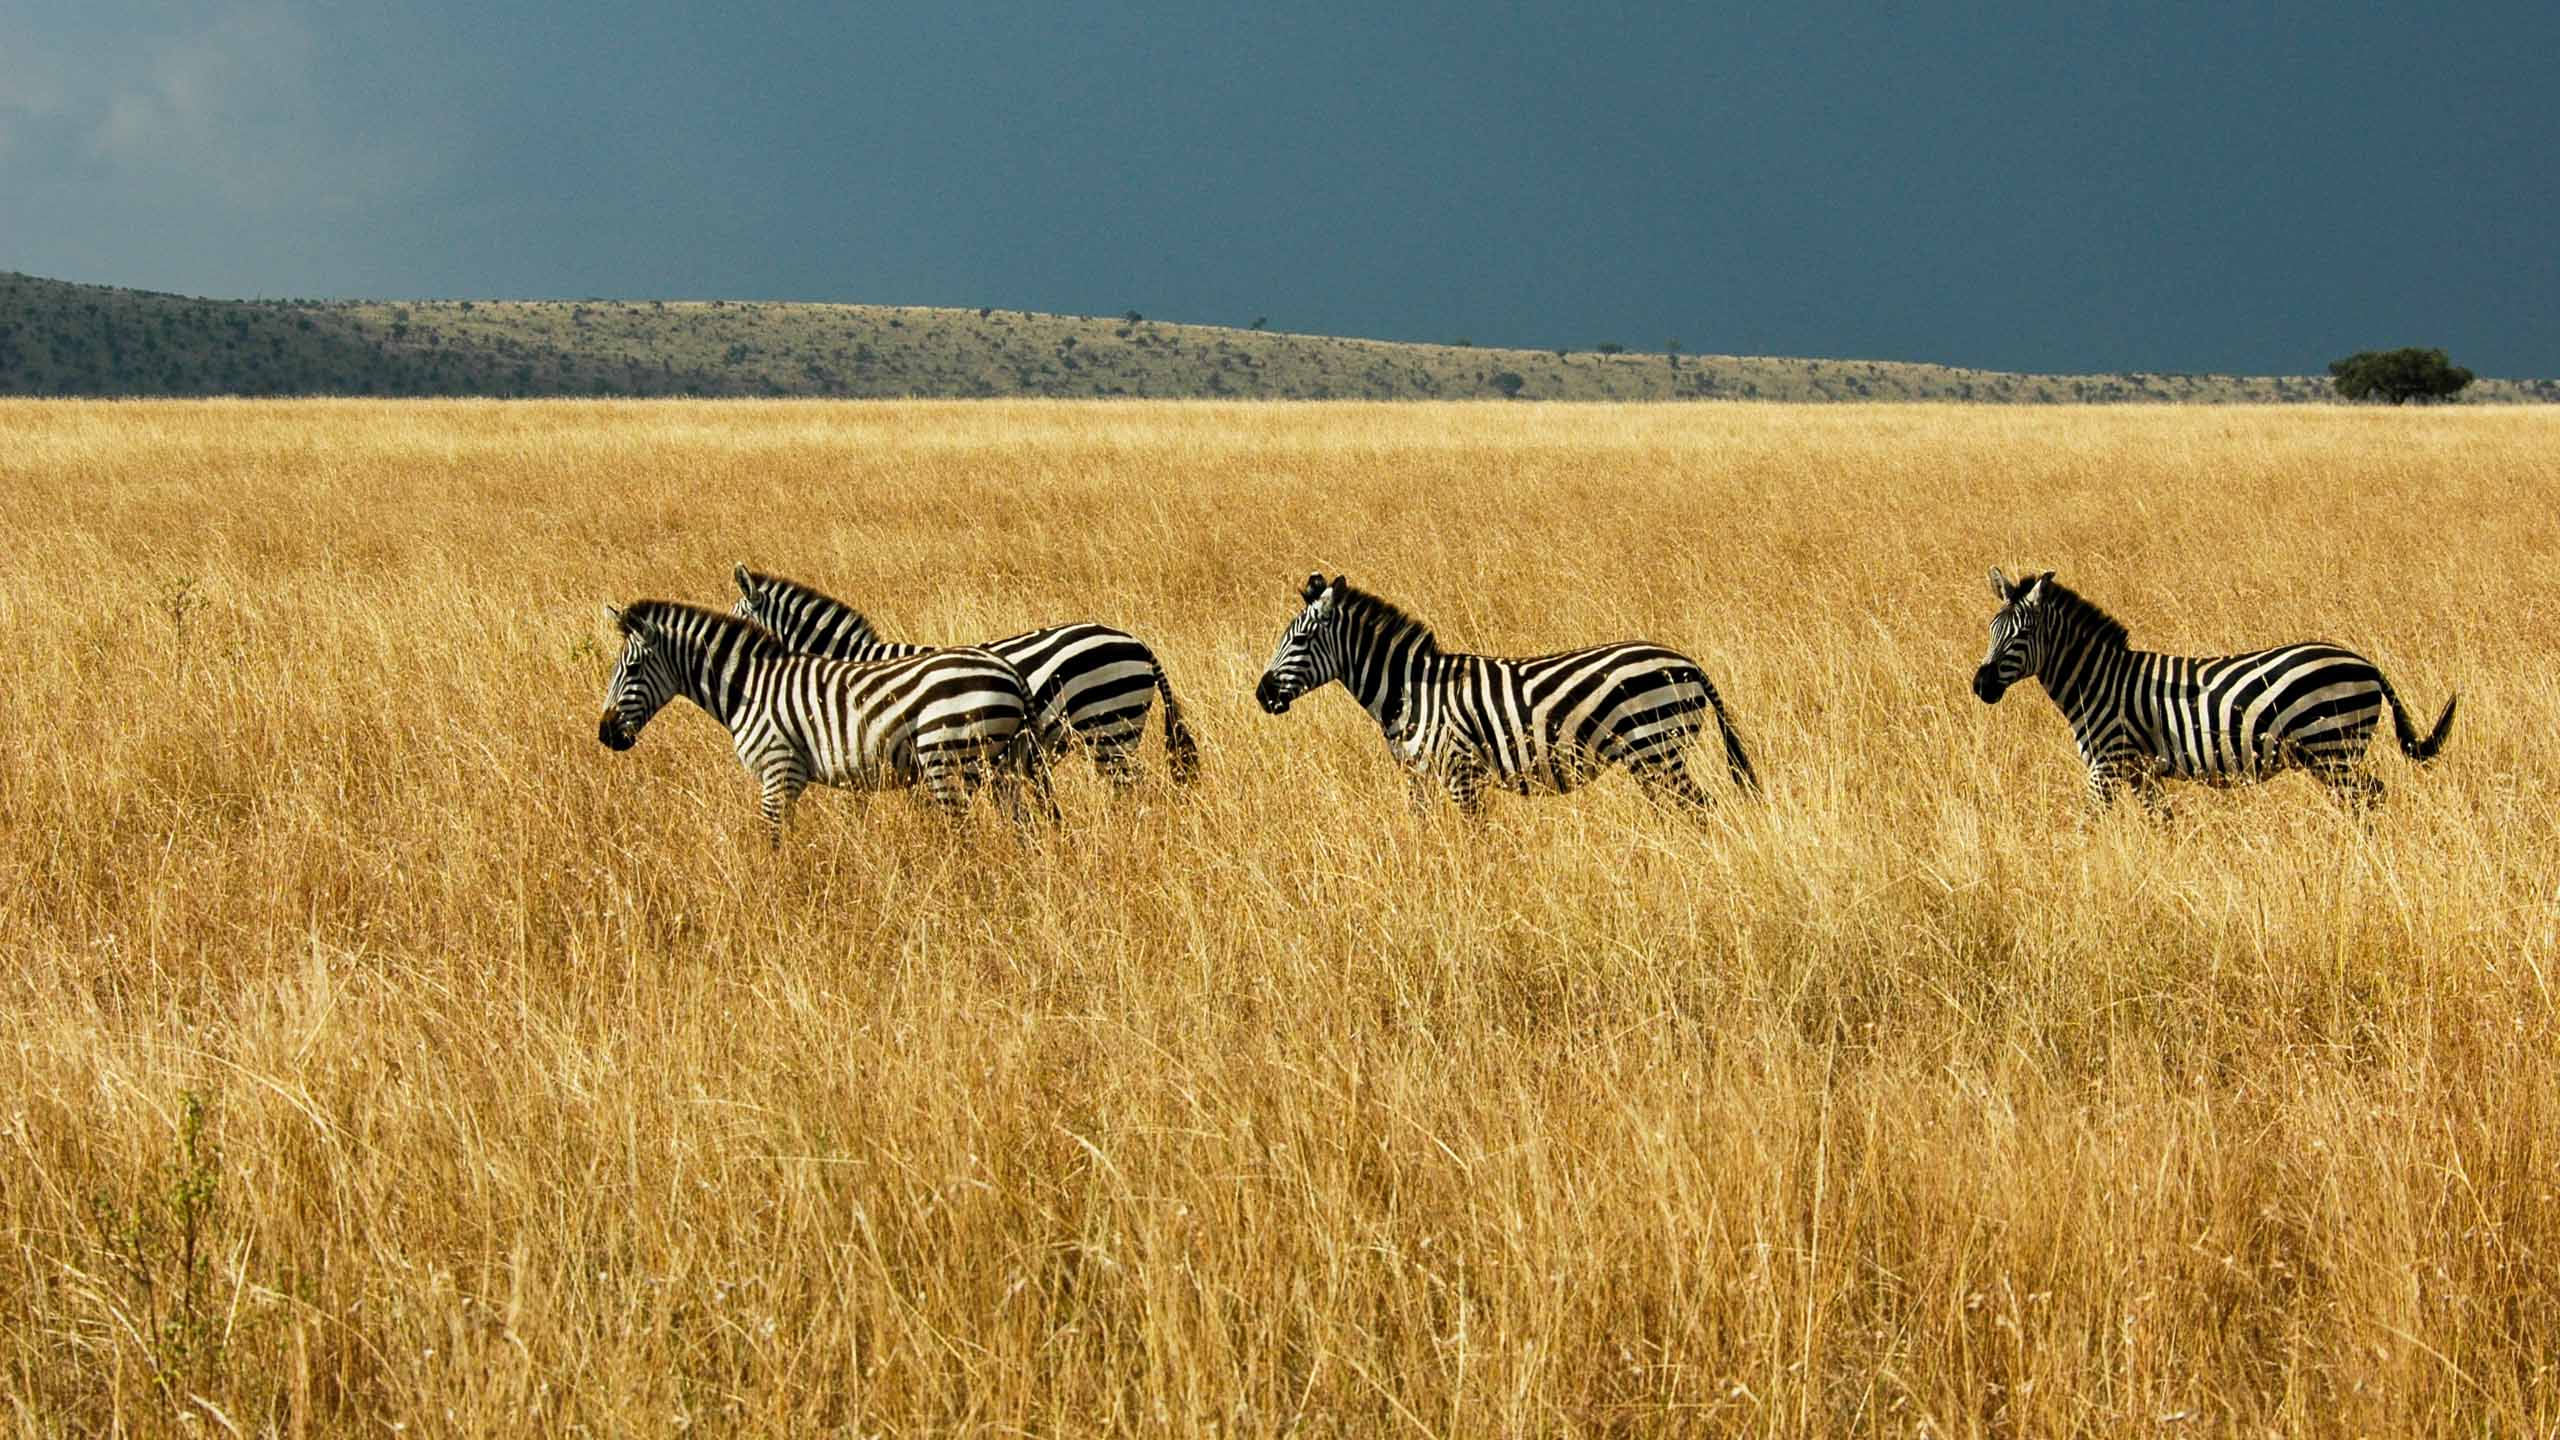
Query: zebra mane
(1381, 617)
(810, 598)
(700, 622)
(2078, 612)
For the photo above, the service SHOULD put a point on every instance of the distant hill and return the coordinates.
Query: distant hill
(58, 338)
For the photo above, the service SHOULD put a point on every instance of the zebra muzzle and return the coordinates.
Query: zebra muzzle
(1269, 693)
(610, 731)
(1988, 686)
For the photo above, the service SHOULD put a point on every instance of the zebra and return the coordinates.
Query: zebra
(1089, 682)
(2138, 716)
(1469, 722)
(945, 719)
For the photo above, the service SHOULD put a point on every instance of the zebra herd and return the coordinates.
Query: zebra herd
(810, 693)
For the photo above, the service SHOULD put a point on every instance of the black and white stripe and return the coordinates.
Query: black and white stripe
(949, 720)
(2138, 716)
(1466, 722)
(1090, 684)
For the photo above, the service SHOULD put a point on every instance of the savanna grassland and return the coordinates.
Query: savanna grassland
(378, 1052)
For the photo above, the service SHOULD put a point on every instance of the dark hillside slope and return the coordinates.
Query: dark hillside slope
(58, 338)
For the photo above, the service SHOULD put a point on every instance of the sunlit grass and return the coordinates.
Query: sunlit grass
(537, 1092)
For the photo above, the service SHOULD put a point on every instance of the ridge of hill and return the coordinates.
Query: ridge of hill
(63, 338)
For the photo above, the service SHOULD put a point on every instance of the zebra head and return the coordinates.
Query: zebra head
(2017, 636)
(757, 599)
(779, 605)
(802, 618)
(644, 679)
(1310, 652)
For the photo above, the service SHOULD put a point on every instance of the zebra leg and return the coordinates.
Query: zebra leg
(2122, 770)
(783, 783)
(1423, 788)
(1113, 738)
(2102, 788)
(2350, 786)
(1672, 784)
(949, 779)
(1466, 779)
(2148, 790)
(1467, 787)
(1024, 766)
(1424, 784)
(1044, 796)
(1117, 759)
(2106, 777)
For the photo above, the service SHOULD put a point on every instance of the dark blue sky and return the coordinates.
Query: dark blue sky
(2015, 185)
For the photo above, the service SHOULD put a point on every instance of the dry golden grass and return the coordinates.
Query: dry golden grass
(531, 1091)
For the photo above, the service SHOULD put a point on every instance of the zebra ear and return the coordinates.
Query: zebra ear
(2034, 589)
(1999, 585)
(1313, 588)
(1340, 583)
(618, 618)
(745, 578)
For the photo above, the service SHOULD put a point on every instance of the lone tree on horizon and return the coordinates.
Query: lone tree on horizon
(2398, 376)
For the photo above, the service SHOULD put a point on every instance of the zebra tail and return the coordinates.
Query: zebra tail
(1181, 747)
(1027, 756)
(1735, 762)
(2416, 749)
(1734, 759)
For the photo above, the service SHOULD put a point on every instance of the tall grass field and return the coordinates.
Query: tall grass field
(380, 1054)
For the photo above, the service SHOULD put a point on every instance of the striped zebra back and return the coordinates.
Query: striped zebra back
(899, 715)
(1090, 683)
